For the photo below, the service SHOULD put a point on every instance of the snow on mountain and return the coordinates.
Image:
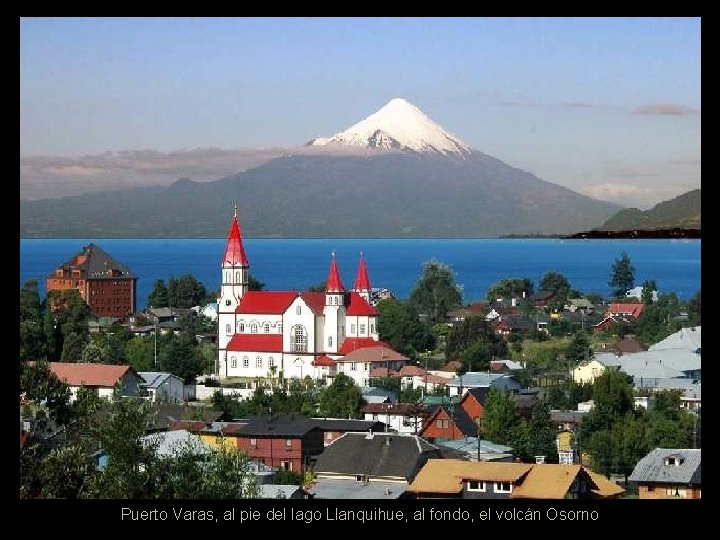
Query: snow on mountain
(398, 125)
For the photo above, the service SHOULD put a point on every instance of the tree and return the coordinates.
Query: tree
(648, 289)
(579, 348)
(342, 399)
(318, 287)
(557, 283)
(30, 301)
(400, 326)
(613, 398)
(92, 353)
(536, 437)
(32, 340)
(694, 310)
(158, 297)
(181, 357)
(115, 349)
(72, 312)
(435, 292)
(73, 347)
(254, 284)
(501, 416)
(185, 292)
(474, 331)
(509, 287)
(140, 353)
(622, 278)
(40, 385)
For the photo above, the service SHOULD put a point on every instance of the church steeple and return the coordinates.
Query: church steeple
(234, 282)
(362, 281)
(334, 283)
(234, 250)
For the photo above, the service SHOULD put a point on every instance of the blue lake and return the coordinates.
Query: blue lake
(290, 264)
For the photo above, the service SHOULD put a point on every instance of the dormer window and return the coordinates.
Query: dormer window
(674, 461)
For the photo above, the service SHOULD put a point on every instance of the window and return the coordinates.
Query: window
(253, 328)
(299, 338)
(328, 435)
(362, 329)
(474, 485)
(372, 328)
(651, 488)
(288, 444)
(441, 423)
(503, 487)
(352, 329)
(279, 325)
(353, 366)
(233, 362)
(237, 277)
(271, 362)
(330, 341)
(298, 310)
(359, 478)
(246, 361)
(286, 465)
(241, 327)
(227, 277)
(266, 327)
(335, 300)
(253, 443)
(258, 362)
(676, 492)
(228, 329)
(674, 460)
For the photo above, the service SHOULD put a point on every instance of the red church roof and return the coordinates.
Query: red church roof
(256, 343)
(234, 251)
(323, 361)
(315, 300)
(266, 302)
(334, 283)
(362, 281)
(353, 343)
(359, 306)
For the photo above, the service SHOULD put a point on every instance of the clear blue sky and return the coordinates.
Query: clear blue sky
(592, 104)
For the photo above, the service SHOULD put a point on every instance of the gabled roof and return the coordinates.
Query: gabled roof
(373, 354)
(234, 250)
(334, 283)
(314, 300)
(362, 281)
(622, 308)
(94, 263)
(358, 306)
(447, 475)
(341, 424)
(685, 338)
(266, 302)
(382, 372)
(323, 361)
(377, 454)
(479, 393)
(456, 414)
(652, 468)
(351, 344)
(412, 371)
(628, 345)
(286, 425)
(88, 374)
(256, 343)
(153, 379)
(553, 481)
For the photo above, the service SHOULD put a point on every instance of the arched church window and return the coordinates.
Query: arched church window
(299, 338)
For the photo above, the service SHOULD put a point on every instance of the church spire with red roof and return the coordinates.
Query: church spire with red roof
(334, 283)
(234, 250)
(362, 281)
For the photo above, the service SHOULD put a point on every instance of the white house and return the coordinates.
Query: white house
(283, 334)
(400, 417)
(163, 387)
(359, 363)
(100, 378)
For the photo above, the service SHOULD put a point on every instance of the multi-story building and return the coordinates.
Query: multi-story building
(108, 287)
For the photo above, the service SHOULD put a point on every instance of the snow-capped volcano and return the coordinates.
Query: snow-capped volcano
(398, 125)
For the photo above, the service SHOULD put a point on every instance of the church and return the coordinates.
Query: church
(285, 334)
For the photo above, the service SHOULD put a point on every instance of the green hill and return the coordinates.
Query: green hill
(681, 212)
